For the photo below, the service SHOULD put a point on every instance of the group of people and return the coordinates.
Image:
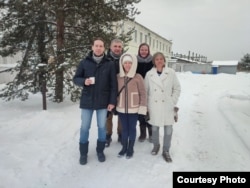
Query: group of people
(134, 86)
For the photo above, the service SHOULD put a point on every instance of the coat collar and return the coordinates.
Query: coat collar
(158, 80)
(90, 57)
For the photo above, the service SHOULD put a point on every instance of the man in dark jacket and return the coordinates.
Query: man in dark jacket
(114, 54)
(97, 75)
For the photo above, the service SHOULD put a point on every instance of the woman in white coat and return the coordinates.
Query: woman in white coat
(163, 91)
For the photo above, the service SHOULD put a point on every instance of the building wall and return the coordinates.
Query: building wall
(202, 68)
(10, 59)
(192, 67)
(7, 63)
(7, 76)
(197, 68)
(142, 34)
(227, 69)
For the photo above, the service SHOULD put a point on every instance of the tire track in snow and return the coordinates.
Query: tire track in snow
(222, 105)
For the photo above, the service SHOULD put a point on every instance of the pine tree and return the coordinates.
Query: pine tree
(53, 35)
(244, 64)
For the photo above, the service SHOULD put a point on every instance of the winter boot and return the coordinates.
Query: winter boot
(143, 133)
(99, 149)
(108, 140)
(84, 153)
(155, 149)
(166, 156)
(130, 150)
(124, 148)
(149, 132)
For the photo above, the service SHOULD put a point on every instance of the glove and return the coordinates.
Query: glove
(114, 112)
(147, 117)
(176, 109)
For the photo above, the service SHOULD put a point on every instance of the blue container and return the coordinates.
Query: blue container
(215, 69)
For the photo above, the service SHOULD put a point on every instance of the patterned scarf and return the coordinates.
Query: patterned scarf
(148, 59)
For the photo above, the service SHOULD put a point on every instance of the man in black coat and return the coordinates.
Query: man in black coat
(114, 54)
(97, 77)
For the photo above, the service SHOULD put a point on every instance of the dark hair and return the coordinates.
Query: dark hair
(158, 54)
(143, 44)
(98, 38)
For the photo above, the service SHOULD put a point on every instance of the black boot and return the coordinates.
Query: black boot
(84, 153)
(124, 148)
(166, 156)
(99, 149)
(120, 138)
(149, 132)
(130, 150)
(108, 140)
(143, 133)
(155, 149)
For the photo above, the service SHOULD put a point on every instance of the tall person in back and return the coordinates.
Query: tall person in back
(144, 65)
(114, 54)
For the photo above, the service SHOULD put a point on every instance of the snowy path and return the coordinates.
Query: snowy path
(40, 148)
(214, 134)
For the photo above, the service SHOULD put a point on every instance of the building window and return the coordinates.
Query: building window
(146, 39)
(160, 45)
(153, 43)
(149, 40)
(135, 39)
(140, 37)
(156, 44)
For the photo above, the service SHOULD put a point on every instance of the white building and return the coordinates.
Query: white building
(6, 65)
(142, 34)
(229, 67)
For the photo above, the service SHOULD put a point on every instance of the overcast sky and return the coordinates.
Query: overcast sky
(217, 29)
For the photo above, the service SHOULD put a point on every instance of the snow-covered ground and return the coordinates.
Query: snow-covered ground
(40, 148)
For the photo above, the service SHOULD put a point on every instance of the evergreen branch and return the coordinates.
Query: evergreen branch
(26, 54)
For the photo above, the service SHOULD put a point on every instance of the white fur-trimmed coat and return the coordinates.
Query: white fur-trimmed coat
(162, 94)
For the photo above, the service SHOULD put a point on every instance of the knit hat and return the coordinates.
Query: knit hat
(127, 58)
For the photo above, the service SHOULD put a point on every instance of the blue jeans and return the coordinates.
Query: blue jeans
(128, 122)
(86, 117)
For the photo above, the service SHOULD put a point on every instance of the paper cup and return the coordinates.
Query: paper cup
(92, 80)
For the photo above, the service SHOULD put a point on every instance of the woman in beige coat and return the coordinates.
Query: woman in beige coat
(163, 91)
(131, 101)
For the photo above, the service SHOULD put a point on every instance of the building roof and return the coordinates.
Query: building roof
(170, 41)
(184, 59)
(225, 63)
